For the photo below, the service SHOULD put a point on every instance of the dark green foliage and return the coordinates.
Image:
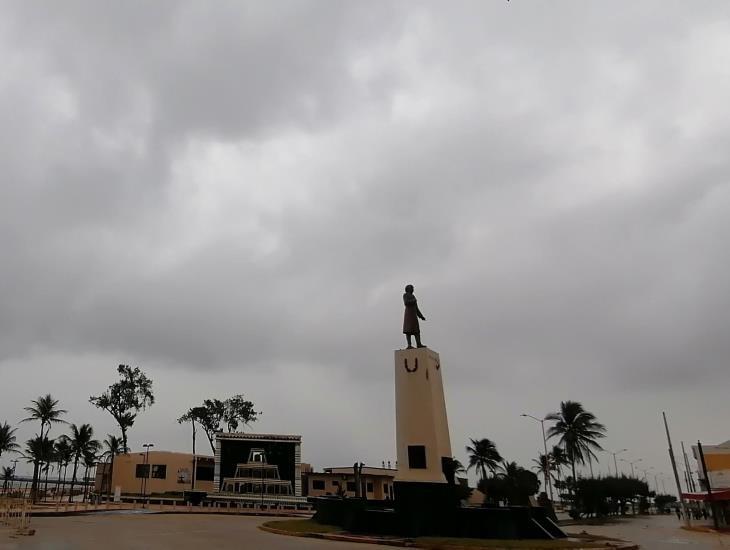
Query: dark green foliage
(126, 398)
(661, 501)
(607, 495)
(513, 484)
(215, 413)
(7, 439)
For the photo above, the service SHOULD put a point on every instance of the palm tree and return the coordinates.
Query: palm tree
(7, 477)
(483, 456)
(82, 443)
(112, 447)
(45, 409)
(558, 460)
(543, 464)
(578, 431)
(62, 453)
(7, 439)
(35, 451)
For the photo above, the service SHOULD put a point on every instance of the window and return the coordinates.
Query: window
(318, 484)
(204, 473)
(159, 471)
(417, 457)
(369, 487)
(142, 470)
(335, 483)
(351, 486)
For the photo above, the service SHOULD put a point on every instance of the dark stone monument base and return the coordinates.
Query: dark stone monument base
(433, 509)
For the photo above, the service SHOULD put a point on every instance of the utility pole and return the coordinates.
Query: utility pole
(715, 520)
(674, 469)
(691, 485)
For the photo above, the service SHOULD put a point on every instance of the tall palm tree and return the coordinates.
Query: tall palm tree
(483, 456)
(82, 443)
(63, 454)
(45, 409)
(113, 446)
(7, 439)
(578, 431)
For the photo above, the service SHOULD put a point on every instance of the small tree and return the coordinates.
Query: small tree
(215, 413)
(83, 444)
(126, 398)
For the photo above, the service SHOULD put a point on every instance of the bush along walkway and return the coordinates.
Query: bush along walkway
(311, 529)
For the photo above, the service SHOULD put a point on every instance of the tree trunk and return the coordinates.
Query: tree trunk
(124, 438)
(58, 481)
(34, 484)
(73, 480)
(86, 482)
(192, 484)
(45, 485)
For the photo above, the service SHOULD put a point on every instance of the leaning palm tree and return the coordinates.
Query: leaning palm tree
(63, 454)
(7, 439)
(578, 431)
(112, 447)
(483, 456)
(82, 443)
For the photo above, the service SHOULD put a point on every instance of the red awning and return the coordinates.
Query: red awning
(723, 494)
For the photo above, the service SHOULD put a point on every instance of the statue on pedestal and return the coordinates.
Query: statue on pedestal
(410, 318)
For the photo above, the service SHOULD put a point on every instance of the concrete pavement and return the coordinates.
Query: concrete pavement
(656, 533)
(162, 532)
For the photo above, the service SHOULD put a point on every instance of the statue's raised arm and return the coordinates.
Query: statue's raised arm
(410, 318)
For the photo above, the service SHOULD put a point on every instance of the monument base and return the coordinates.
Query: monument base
(433, 518)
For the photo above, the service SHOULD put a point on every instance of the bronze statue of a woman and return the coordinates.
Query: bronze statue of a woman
(410, 318)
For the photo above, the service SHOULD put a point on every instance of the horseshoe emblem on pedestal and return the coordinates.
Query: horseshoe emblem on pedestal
(415, 367)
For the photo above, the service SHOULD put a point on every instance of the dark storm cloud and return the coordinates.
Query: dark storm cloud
(206, 186)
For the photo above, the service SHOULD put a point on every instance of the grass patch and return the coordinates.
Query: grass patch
(437, 543)
(301, 526)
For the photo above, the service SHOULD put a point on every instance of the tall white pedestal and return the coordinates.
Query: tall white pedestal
(422, 429)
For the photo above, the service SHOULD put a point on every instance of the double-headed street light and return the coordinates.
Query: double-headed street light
(614, 457)
(546, 459)
(631, 463)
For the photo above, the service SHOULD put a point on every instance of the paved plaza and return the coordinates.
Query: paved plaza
(201, 531)
(161, 532)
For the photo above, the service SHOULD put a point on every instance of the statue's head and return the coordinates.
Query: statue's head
(409, 289)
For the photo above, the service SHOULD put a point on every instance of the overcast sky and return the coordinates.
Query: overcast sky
(232, 196)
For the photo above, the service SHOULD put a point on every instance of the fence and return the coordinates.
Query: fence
(15, 514)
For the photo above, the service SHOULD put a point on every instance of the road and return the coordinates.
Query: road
(656, 533)
(161, 532)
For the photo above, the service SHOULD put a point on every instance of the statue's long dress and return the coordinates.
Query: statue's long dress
(410, 317)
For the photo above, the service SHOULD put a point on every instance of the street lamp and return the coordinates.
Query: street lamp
(614, 457)
(147, 447)
(631, 463)
(544, 443)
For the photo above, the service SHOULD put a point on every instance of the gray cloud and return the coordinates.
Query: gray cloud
(234, 195)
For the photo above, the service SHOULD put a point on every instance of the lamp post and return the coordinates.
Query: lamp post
(615, 465)
(147, 447)
(631, 463)
(547, 460)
